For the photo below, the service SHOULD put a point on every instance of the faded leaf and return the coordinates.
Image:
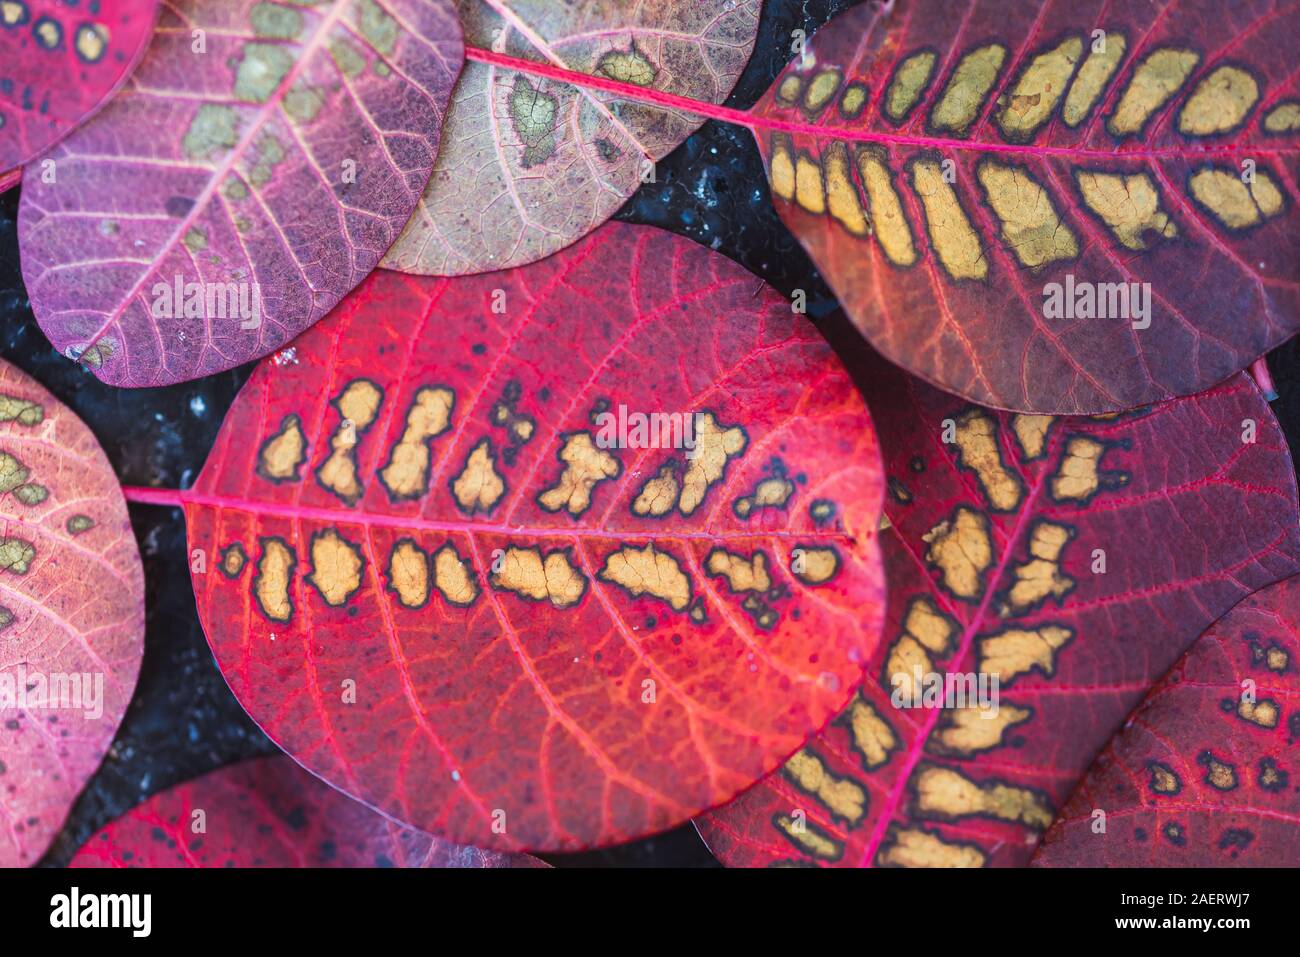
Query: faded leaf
(71, 613)
(248, 177)
(530, 165)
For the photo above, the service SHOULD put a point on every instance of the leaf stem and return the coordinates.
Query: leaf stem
(142, 495)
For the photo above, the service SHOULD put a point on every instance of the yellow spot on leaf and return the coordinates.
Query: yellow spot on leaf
(844, 797)
(742, 574)
(1093, 78)
(659, 495)
(377, 27)
(584, 466)
(853, 101)
(263, 67)
(822, 89)
(408, 574)
(214, 129)
(887, 219)
(1078, 477)
(790, 88)
(1017, 651)
(841, 194)
(809, 838)
(336, 566)
(872, 737)
(91, 41)
(977, 449)
(1031, 432)
(12, 473)
(1234, 203)
(714, 447)
(769, 493)
(358, 406)
(271, 584)
(16, 555)
(1164, 780)
(284, 452)
(959, 106)
(909, 81)
(630, 66)
(22, 411)
(951, 233)
(1038, 89)
(1219, 775)
(781, 171)
(276, 22)
(1219, 103)
(1263, 713)
(1128, 204)
(646, 571)
(1283, 118)
(1039, 578)
(816, 566)
(479, 487)
(406, 476)
(917, 847)
(525, 572)
(964, 732)
(1030, 223)
(1156, 79)
(961, 549)
(948, 794)
(453, 578)
(809, 190)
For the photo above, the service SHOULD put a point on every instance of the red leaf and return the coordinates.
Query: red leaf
(1074, 559)
(229, 198)
(10, 179)
(652, 667)
(946, 165)
(61, 65)
(1203, 774)
(71, 613)
(516, 180)
(269, 812)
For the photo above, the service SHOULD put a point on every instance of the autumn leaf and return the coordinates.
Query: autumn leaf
(530, 165)
(1201, 775)
(61, 64)
(1072, 561)
(268, 812)
(259, 163)
(71, 613)
(444, 577)
(1062, 208)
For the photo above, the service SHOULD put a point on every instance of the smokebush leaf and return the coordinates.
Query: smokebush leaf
(1073, 558)
(530, 165)
(269, 812)
(61, 64)
(1203, 773)
(441, 580)
(262, 159)
(969, 177)
(71, 613)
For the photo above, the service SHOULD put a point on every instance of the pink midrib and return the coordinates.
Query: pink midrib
(755, 121)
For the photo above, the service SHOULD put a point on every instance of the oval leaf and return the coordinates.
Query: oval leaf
(1071, 559)
(1202, 774)
(444, 580)
(61, 64)
(1066, 208)
(269, 812)
(531, 165)
(261, 161)
(71, 613)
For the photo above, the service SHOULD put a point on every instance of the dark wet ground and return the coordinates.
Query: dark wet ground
(183, 721)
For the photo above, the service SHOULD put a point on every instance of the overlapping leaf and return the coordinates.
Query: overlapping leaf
(1051, 207)
(1072, 559)
(71, 613)
(62, 62)
(443, 581)
(1203, 775)
(269, 812)
(530, 165)
(259, 163)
